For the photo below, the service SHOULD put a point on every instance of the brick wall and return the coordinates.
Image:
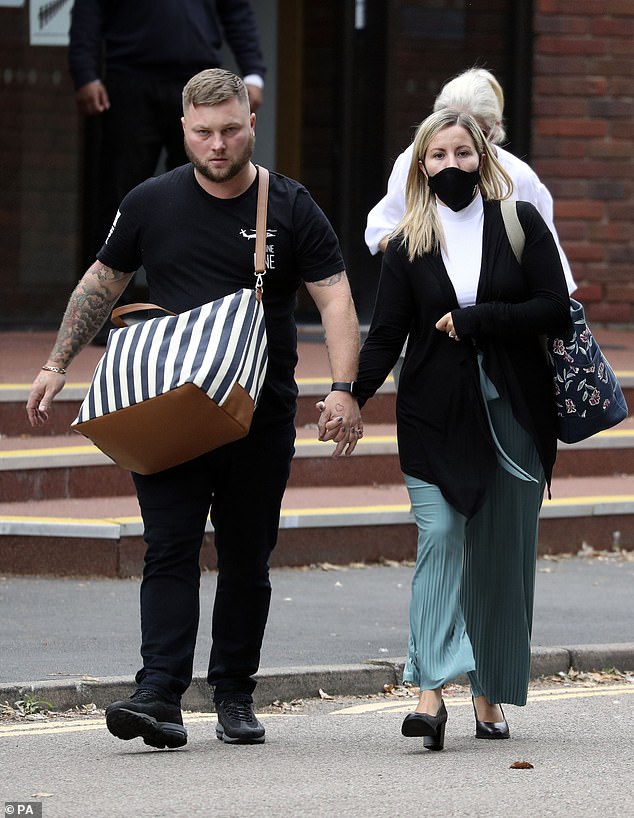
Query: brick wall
(40, 144)
(431, 42)
(583, 143)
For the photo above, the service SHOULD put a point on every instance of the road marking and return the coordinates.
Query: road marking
(406, 705)
(38, 728)
(8, 730)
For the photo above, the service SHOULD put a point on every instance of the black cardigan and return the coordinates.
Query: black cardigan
(443, 434)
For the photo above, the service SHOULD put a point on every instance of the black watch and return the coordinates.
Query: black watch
(342, 386)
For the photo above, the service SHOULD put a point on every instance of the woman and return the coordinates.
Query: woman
(478, 93)
(475, 416)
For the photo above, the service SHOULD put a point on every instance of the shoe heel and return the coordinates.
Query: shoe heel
(436, 742)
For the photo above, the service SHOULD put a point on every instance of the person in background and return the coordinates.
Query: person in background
(478, 93)
(129, 62)
(476, 418)
(192, 229)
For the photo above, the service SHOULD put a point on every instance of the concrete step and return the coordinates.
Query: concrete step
(35, 468)
(14, 423)
(381, 409)
(103, 536)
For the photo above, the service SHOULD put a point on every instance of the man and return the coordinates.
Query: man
(149, 49)
(192, 229)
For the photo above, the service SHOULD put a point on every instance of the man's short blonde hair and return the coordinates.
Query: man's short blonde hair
(213, 86)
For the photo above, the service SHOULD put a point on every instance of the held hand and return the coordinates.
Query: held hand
(340, 420)
(92, 98)
(446, 325)
(44, 389)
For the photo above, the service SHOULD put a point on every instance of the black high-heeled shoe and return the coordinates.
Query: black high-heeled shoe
(431, 728)
(491, 729)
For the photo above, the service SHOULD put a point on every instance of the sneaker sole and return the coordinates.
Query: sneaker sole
(222, 736)
(128, 724)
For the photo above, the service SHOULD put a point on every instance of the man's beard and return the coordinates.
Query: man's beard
(229, 171)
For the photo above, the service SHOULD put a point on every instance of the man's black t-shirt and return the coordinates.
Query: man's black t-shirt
(196, 247)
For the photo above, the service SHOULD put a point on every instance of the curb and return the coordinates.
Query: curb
(286, 684)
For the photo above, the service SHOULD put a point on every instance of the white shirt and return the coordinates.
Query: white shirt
(527, 187)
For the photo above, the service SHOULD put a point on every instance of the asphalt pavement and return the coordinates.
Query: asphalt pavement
(326, 624)
(334, 759)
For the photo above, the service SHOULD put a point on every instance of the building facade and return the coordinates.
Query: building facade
(348, 82)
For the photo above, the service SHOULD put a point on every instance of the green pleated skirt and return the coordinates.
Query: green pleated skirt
(471, 608)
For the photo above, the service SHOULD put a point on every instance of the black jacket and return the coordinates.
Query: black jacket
(174, 39)
(443, 433)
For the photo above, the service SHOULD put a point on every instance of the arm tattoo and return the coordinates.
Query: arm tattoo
(87, 311)
(330, 281)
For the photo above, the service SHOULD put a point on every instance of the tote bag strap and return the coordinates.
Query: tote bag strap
(514, 230)
(124, 315)
(260, 229)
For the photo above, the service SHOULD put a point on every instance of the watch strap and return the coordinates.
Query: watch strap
(342, 386)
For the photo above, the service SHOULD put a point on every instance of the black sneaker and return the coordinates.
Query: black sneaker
(146, 715)
(237, 723)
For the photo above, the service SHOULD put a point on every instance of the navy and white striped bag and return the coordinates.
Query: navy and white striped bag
(172, 388)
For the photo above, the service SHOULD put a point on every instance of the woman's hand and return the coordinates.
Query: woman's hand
(446, 325)
(340, 420)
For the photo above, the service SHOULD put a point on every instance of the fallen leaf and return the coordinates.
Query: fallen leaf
(521, 765)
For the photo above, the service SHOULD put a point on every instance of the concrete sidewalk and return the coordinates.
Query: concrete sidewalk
(343, 630)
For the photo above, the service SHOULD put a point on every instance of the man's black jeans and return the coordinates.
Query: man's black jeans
(243, 484)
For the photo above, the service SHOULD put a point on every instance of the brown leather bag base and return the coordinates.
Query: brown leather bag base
(184, 419)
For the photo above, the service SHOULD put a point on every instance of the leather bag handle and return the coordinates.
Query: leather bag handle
(118, 313)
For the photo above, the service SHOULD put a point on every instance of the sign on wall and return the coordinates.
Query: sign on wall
(50, 21)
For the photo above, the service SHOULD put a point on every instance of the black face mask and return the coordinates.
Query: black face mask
(454, 187)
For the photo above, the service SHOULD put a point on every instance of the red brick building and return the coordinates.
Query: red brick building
(348, 81)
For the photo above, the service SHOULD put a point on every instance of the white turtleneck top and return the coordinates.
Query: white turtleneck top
(463, 253)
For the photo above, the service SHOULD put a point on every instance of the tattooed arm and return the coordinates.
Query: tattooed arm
(88, 308)
(340, 419)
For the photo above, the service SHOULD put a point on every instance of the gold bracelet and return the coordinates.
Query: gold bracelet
(60, 370)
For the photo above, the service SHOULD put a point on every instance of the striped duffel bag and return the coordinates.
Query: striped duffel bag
(171, 388)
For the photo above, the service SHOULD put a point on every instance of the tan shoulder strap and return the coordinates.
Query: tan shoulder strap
(514, 230)
(260, 226)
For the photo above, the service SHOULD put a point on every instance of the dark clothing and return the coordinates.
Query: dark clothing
(216, 257)
(154, 106)
(196, 248)
(243, 483)
(146, 50)
(172, 39)
(443, 434)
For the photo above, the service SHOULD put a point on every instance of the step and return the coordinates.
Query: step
(340, 525)
(71, 466)
(380, 409)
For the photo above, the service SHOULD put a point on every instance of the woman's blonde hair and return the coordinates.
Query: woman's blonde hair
(476, 92)
(420, 228)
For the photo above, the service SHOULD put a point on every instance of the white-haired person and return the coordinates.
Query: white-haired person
(478, 93)
(476, 419)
